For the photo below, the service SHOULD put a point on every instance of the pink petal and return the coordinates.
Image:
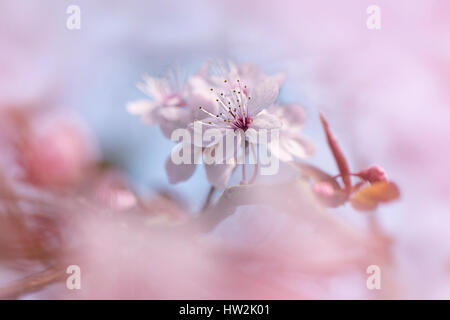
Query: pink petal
(144, 108)
(266, 121)
(265, 94)
(172, 118)
(291, 147)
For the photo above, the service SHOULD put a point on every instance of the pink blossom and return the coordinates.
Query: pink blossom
(57, 150)
(241, 106)
(174, 103)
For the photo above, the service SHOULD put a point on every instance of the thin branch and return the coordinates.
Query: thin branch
(32, 283)
(207, 203)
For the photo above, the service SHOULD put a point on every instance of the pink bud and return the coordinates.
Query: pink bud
(373, 174)
(328, 195)
(112, 191)
(323, 189)
(57, 150)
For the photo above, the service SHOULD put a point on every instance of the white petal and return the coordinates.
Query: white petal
(291, 147)
(172, 118)
(265, 94)
(181, 172)
(144, 108)
(178, 173)
(157, 88)
(266, 121)
(280, 78)
(250, 73)
(293, 115)
(173, 113)
(198, 129)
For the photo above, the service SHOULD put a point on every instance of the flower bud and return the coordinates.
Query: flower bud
(373, 174)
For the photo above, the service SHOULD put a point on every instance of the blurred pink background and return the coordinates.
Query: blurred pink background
(385, 93)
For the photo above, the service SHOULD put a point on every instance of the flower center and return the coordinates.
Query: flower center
(233, 103)
(243, 123)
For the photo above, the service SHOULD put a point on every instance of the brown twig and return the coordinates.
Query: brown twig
(207, 203)
(32, 283)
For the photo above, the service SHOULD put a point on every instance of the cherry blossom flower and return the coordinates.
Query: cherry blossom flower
(242, 107)
(238, 110)
(172, 101)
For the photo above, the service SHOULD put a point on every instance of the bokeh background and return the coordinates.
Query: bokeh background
(385, 92)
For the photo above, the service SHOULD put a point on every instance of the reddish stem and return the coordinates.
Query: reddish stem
(339, 157)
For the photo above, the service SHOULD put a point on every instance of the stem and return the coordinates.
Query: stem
(244, 179)
(255, 171)
(207, 203)
(244, 175)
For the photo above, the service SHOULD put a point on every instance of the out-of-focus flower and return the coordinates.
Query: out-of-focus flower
(111, 191)
(45, 147)
(57, 150)
(323, 189)
(174, 103)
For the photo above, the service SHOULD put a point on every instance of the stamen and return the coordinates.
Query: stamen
(207, 112)
(209, 124)
(235, 105)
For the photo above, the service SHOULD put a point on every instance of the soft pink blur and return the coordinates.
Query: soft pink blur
(385, 93)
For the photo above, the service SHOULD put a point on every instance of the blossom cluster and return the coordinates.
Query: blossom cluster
(227, 99)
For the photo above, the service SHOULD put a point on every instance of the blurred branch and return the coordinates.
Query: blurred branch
(32, 283)
(207, 203)
(283, 195)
